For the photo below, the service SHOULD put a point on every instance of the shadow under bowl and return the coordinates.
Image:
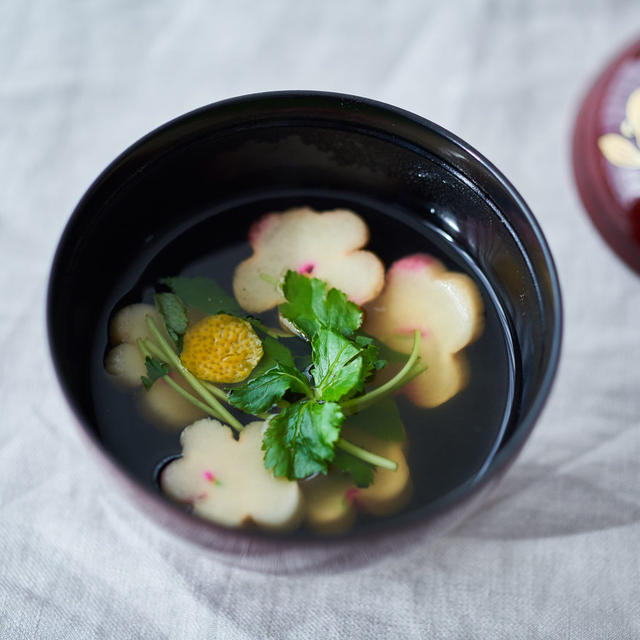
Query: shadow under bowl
(214, 171)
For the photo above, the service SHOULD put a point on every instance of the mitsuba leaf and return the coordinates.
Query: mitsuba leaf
(303, 361)
(385, 353)
(274, 352)
(337, 365)
(259, 394)
(361, 472)
(174, 314)
(370, 361)
(363, 340)
(300, 440)
(310, 307)
(338, 313)
(381, 420)
(204, 294)
(155, 369)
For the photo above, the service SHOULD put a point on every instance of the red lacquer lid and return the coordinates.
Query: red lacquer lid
(606, 155)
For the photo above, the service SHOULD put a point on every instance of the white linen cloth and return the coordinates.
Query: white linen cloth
(555, 553)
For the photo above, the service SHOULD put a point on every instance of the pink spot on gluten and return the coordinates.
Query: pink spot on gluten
(307, 268)
(408, 331)
(259, 227)
(415, 262)
(192, 498)
(209, 476)
(174, 375)
(351, 495)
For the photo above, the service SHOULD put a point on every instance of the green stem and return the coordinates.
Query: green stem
(144, 350)
(402, 377)
(274, 332)
(160, 353)
(205, 394)
(215, 390)
(147, 350)
(367, 456)
(154, 350)
(414, 373)
(270, 279)
(191, 398)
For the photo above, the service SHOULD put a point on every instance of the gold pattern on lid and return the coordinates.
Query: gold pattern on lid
(623, 150)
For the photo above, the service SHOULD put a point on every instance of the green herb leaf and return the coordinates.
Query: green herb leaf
(156, 369)
(204, 294)
(174, 314)
(370, 361)
(381, 420)
(300, 441)
(259, 394)
(337, 364)
(361, 472)
(310, 307)
(303, 361)
(385, 353)
(274, 353)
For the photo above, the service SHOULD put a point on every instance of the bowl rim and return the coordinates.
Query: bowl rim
(525, 423)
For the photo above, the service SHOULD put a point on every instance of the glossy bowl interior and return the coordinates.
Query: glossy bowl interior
(297, 147)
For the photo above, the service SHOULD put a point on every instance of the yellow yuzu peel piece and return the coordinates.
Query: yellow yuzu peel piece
(221, 348)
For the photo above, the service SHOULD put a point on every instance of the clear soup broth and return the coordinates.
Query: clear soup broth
(449, 446)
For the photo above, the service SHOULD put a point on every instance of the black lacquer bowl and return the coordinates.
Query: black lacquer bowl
(218, 168)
